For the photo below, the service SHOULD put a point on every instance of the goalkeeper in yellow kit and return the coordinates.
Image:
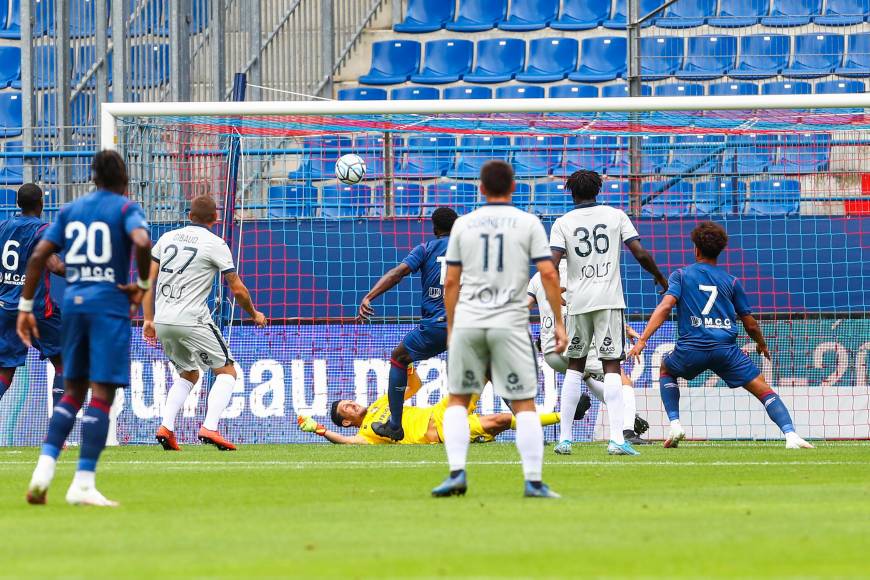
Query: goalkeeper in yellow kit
(421, 425)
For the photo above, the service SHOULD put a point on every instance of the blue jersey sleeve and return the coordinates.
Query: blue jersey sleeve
(54, 233)
(134, 217)
(675, 284)
(416, 258)
(741, 303)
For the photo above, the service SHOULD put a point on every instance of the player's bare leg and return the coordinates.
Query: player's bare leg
(174, 402)
(777, 412)
(218, 399)
(457, 434)
(95, 429)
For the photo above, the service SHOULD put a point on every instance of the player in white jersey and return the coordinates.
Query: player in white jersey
(488, 323)
(590, 237)
(184, 264)
(573, 404)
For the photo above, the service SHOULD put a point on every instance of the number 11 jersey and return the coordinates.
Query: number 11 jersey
(591, 236)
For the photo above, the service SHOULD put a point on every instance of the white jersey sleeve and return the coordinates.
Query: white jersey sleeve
(627, 229)
(222, 258)
(557, 236)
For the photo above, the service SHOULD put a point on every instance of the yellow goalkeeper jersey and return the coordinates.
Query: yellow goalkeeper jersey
(415, 422)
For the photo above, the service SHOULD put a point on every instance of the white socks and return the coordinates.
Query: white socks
(174, 401)
(595, 387)
(44, 472)
(629, 404)
(218, 400)
(570, 398)
(457, 435)
(84, 479)
(530, 443)
(615, 411)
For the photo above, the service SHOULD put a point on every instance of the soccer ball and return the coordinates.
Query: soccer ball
(350, 169)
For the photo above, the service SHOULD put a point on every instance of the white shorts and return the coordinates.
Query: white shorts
(508, 356)
(192, 348)
(605, 327)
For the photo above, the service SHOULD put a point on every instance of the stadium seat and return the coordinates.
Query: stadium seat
(840, 87)
(148, 18)
(446, 61)
(857, 63)
(687, 14)
(10, 24)
(573, 91)
(522, 197)
(520, 92)
(393, 62)
(10, 114)
(680, 90)
(425, 16)
(478, 15)
(318, 157)
(717, 196)
(292, 200)
(592, 152)
(407, 200)
(654, 156)
(802, 153)
(708, 57)
(695, 154)
(550, 59)
(581, 15)
(467, 92)
(761, 56)
(750, 154)
(621, 90)
(44, 68)
(371, 148)
(498, 60)
(82, 16)
(415, 94)
(786, 88)
(537, 156)
(739, 13)
(149, 65)
(774, 197)
(674, 201)
(428, 156)
(618, 18)
(477, 150)
(12, 168)
(10, 65)
(462, 196)
(340, 200)
(615, 193)
(815, 55)
(551, 198)
(603, 59)
(526, 15)
(792, 12)
(662, 56)
(362, 94)
(843, 13)
(727, 89)
(43, 18)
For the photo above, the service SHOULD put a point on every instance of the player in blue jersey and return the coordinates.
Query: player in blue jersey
(97, 233)
(430, 337)
(18, 237)
(709, 301)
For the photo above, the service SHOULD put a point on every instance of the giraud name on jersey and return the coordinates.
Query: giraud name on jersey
(183, 237)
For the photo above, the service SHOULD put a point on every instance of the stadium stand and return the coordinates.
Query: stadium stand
(581, 15)
(537, 156)
(362, 94)
(338, 200)
(414, 93)
(292, 200)
(679, 90)
(478, 15)
(10, 65)
(857, 61)
(550, 59)
(762, 56)
(728, 88)
(520, 92)
(467, 92)
(739, 13)
(668, 200)
(708, 57)
(774, 197)
(717, 196)
(446, 61)
(572, 91)
(476, 150)
(462, 196)
(527, 15)
(393, 61)
(840, 87)
(498, 60)
(426, 16)
(815, 55)
(407, 200)
(786, 88)
(687, 14)
(603, 59)
(843, 13)
(439, 152)
(792, 12)
(10, 20)
(663, 55)
(618, 17)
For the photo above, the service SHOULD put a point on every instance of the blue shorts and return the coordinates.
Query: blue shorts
(730, 363)
(13, 353)
(425, 342)
(96, 347)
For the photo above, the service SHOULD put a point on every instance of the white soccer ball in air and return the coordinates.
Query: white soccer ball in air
(350, 169)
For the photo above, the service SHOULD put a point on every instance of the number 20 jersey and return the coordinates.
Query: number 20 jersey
(189, 258)
(591, 236)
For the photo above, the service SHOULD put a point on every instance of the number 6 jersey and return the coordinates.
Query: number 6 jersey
(591, 236)
(189, 258)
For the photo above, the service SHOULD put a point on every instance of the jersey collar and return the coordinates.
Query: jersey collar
(498, 203)
(587, 204)
(191, 224)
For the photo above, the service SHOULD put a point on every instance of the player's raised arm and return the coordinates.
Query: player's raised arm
(750, 324)
(310, 425)
(243, 297)
(26, 325)
(659, 316)
(383, 285)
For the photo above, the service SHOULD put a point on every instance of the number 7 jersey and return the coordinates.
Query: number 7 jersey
(591, 236)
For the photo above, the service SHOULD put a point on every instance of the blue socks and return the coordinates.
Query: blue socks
(776, 411)
(670, 393)
(95, 429)
(396, 391)
(57, 387)
(60, 425)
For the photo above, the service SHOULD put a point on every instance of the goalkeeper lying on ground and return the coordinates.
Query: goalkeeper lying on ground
(421, 425)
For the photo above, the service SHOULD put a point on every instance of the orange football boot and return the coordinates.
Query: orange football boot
(210, 437)
(166, 438)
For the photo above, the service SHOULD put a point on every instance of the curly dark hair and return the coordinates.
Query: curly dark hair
(583, 185)
(710, 238)
(109, 171)
(442, 220)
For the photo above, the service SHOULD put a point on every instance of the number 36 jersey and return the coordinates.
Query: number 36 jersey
(189, 258)
(591, 236)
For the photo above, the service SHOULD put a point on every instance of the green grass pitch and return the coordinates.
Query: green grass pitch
(750, 509)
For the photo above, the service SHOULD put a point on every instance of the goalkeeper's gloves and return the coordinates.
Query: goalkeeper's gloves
(309, 425)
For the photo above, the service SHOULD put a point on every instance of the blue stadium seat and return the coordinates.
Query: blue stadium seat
(815, 55)
(739, 13)
(148, 18)
(615, 193)
(603, 59)
(551, 198)
(478, 15)
(687, 14)
(840, 87)
(537, 156)
(362, 94)
(292, 200)
(525, 15)
(621, 90)
(393, 62)
(10, 65)
(10, 24)
(43, 18)
(680, 90)
(149, 65)
(467, 92)
(662, 56)
(717, 196)
(654, 156)
(592, 152)
(774, 197)
(85, 58)
(618, 18)
(12, 168)
(522, 197)
(498, 60)
(44, 68)
(82, 16)
(340, 200)
(786, 88)
(792, 12)
(708, 57)
(750, 154)
(10, 114)
(462, 196)
(761, 56)
(857, 63)
(581, 15)
(477, 150)
(425, 16)
(371, 149)
(573, 91)
(550, 59)
(428, 156)
(520, 92)
(318, 158)
(843, 13)
(407, 200)
(415, 94)
(695, 154)
(674, 201)
(446, 61)
(728, 89)
(802, 153)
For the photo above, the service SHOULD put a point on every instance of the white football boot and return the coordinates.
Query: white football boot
(794, 441)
